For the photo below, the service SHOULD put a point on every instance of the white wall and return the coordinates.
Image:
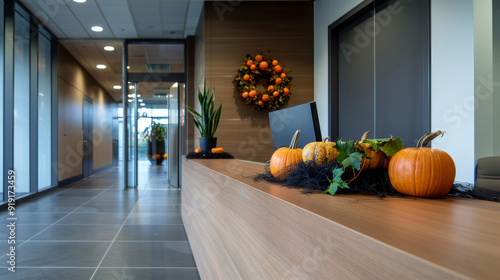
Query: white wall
(452, 74)
(325, 13)
(452, 82)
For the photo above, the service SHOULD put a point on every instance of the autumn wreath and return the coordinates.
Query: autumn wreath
(263, 70)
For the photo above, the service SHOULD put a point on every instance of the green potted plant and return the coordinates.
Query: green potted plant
(207, 120)
(155, 135)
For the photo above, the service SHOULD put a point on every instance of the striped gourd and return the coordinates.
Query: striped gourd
(319, 152)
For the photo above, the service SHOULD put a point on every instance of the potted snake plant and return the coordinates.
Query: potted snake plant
(207, 120)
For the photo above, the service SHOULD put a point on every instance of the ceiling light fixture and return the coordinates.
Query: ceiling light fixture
(109, 48)
(97, 28)
(143, 104)
(79, 1)
(100, 66)
(117, 87)
(128, 67)
(139, 100)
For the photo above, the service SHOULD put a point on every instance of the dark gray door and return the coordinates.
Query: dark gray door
(383, 72)
(87, 137)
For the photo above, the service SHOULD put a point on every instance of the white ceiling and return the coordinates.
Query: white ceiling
(71, 23)
(130, 19)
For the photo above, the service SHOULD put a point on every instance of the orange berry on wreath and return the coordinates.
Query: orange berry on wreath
(277, 69)
(258, 57)
(252, 93)
(265, 97)
(286, 91)
(283, 75)
(261, 103)
(275, 62)
(253, 67)
(276, 94)
(244, 95)
(263, 65)
(278, 81)
(249, 62)
(270, 88)
(246, 77)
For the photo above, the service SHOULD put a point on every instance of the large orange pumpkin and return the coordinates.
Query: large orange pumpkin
(320, 152)
(422, 171)
(284, 160)
(374, 159)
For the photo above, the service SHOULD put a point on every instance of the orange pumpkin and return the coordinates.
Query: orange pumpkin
(197, 150)
(320, 152)
(217, 150)
(422, 171)
(284, 160)
(374, 159)
(165, 156)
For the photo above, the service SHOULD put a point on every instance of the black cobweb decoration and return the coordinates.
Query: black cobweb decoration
(312, 177)
(209, 155)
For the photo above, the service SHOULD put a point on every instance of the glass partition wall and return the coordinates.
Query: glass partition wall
(28, 107)
(155, 75)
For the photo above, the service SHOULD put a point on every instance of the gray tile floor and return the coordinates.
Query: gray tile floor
(93, 229)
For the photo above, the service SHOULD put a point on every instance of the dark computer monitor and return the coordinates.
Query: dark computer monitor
(286, 121)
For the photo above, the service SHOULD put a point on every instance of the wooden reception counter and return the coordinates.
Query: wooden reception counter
(241, 229)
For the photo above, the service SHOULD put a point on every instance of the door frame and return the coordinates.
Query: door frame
(87, 126)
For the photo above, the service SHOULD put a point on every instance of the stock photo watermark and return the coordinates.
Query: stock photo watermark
(11, 220)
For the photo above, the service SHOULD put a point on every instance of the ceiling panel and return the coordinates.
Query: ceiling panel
(121, 19)
(122, 24)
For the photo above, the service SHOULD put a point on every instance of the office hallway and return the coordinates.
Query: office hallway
(93, 229)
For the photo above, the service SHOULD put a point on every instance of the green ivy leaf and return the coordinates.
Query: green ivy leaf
(336, 182)
(353, 161)
(392, 146)
(348, 156)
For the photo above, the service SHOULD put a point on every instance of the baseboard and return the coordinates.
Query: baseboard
(103, 168)
(70, 180)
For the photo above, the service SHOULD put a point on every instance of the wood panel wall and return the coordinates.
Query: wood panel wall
(226, 34)
(73, 83)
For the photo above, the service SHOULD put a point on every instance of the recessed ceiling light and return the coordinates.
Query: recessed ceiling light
(109, 48)
(128, 67)
(97, 28)
(80, 1)
(130, 100)
(131, 87)
(139, 100)
(100, 66)
(143, 104)
(117, 87)
(138, 95)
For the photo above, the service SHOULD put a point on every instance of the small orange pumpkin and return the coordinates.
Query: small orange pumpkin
(165, 156)
(422, 171)
(374, 159)
(217, 150)
(284, 160)
(197, 150)
(320, 152)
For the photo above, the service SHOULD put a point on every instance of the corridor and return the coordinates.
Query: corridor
(93, 229)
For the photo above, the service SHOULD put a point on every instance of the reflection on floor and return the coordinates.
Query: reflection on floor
(93, 229)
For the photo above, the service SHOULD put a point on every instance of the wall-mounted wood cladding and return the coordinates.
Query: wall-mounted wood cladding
(225, 35)
(74, 82)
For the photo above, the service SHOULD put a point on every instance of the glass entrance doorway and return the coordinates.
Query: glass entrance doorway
(155, 74)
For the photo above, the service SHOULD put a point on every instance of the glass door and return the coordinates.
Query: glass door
(156, 76)
(132, 136)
